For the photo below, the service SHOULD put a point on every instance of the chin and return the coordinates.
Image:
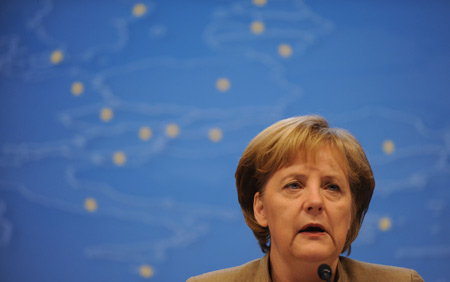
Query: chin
(316, 254)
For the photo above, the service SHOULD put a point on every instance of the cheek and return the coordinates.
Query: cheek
(280, 216)
(346, 216)
(349, 220)
(352, 213)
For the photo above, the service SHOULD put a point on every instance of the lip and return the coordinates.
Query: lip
(313, 233)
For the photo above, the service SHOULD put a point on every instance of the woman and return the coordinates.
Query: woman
(304, 189)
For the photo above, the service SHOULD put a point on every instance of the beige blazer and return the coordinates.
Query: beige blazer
(348, 270)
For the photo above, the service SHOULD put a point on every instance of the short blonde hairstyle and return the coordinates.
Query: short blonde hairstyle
(277, 146)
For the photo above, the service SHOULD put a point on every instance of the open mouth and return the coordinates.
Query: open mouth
(312, 229)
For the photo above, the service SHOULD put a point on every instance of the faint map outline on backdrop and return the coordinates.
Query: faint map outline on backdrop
(234, 34)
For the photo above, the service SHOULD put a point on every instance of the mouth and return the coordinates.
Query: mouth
(313, 229)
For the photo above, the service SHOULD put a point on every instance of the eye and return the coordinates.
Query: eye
(293, 185)
(333, 187)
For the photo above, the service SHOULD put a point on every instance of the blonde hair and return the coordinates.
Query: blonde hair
(277, 146)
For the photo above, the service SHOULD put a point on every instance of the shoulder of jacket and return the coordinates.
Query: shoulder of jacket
(363, 271)
(243, 272)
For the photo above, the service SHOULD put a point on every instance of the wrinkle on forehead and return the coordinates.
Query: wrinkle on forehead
(313, 157)
(319, 154)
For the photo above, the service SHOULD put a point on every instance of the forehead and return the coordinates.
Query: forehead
(327, 156)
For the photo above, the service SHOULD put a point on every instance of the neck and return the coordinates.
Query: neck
(296, 270)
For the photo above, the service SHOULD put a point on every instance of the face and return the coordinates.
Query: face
(308, 208)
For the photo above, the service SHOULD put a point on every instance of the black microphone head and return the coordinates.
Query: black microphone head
(324, 272)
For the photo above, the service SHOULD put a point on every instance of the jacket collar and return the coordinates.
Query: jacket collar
(263, 273)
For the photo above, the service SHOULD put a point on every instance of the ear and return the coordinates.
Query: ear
(258, 210)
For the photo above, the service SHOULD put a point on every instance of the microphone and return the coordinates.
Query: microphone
(324, 272)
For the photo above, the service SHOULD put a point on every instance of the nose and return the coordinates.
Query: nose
(313, 200)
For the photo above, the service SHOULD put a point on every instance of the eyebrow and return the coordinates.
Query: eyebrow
(294, 175)
(335, 178)
(302, 176)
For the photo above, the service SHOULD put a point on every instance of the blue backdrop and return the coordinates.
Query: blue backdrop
(122, 122)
